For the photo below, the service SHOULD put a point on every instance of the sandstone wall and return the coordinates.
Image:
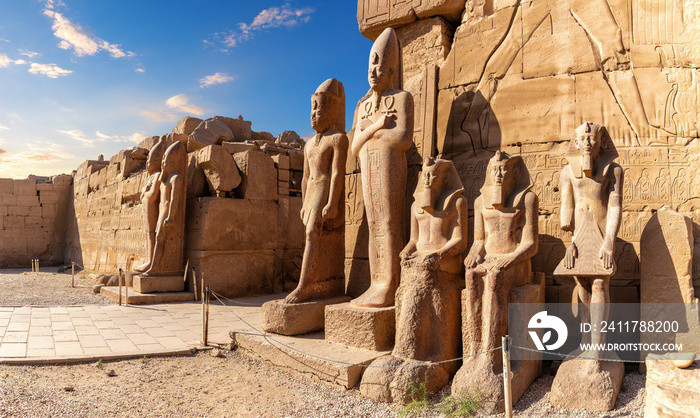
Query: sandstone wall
(542, 68)
(245, 239)
(33, 213)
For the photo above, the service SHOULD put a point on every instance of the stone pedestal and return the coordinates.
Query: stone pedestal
(671, 390)
(296, 318)
(368, 328)
(485, 373)
(587, 384)
(159, 284)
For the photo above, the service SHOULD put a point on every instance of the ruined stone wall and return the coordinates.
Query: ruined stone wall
(531, 72)
(33, 213)
(243, 240)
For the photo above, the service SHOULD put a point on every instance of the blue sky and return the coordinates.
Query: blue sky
(79, 78)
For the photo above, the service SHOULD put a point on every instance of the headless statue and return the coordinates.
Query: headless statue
(383, 134)
(428, 299)
(168, 251)
(323, 191)
(150, 197)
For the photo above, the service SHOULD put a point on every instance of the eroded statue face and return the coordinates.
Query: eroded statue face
(323, 111)
(380, 72)
(589, 144)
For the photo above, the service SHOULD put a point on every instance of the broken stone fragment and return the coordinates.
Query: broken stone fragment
(209, 132)
(187, 125)
(219, 168)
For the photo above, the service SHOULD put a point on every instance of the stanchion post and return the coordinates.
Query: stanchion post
(204, 313)
(194, 283)
(507, 394)
(120, 287)
(37, 265)
(206, 317)
(72, 274)
(126, 292)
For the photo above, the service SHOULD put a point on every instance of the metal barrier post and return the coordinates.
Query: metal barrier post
(507, 394)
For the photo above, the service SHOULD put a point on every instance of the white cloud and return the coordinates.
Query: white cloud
(180, 103)
(159, 116)
(28, 54)
(35, 154)
(78, 135)
(273, 17)
(49, 70)
(52, 4)
(3, 128)
(140, 70)
(5, 61)
(214, 79)
(73, 36)
(136, 137)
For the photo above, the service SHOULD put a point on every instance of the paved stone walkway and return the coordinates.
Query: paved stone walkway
(46, 334)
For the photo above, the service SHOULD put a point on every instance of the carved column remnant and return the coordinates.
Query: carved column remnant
(498, 271)
(591, 190)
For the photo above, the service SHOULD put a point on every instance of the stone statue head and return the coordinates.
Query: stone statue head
(155, 156)
(589, 141)
(328, 106)
(439, 180)
(591, 150)
(384, 61)
(506, 179)
(174, 160)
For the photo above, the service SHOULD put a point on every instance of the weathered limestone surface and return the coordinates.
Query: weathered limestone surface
(285, 318)
(671, 391)
(367, 328)
(374, 16)
(34, 214)
(219, 168)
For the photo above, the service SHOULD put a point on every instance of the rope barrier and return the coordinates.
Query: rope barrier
(273, 341)
(579, 357)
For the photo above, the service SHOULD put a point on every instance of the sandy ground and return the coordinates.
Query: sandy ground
(201, 384)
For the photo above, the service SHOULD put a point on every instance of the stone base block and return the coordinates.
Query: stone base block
(158, 284)
(368, 328)
(587, 384)
(296, 318)
(112, 293)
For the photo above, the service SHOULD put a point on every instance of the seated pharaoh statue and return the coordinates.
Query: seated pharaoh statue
(428, 298)
(498, 264)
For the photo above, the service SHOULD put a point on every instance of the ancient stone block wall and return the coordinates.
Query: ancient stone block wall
(520, 76)
(33, 213)
(243, 237)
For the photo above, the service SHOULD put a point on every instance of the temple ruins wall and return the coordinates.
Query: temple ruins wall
(543, 68)
(33, 213)
(243, 241)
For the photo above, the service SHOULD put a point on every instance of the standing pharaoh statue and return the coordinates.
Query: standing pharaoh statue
(150, 197)
(383, 134)
(323, 191)
(498, 263)
(166, 271)
(591, 198)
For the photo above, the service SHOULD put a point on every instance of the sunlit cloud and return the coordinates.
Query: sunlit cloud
(273, 17)
(74, 37)
(6, 61)
(52, 4)
(180, 103)
(3, 128)
(159, 116)
(136, 137)
(214, 79)
(79, 136)
(28, 54)
(140, 70)
(49, 70)
(46, 156)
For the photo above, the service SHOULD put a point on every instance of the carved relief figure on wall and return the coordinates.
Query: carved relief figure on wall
(150, 197)
(428, 299)
(323, 192)
(383, 134)
(599, 24)
(169, 247)
(505, 239)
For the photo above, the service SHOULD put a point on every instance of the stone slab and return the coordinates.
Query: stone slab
(671, 391)
(158, 284)
(588, 384)
(135, 298)
(296, 318)
(310, 356)
(368, 328)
